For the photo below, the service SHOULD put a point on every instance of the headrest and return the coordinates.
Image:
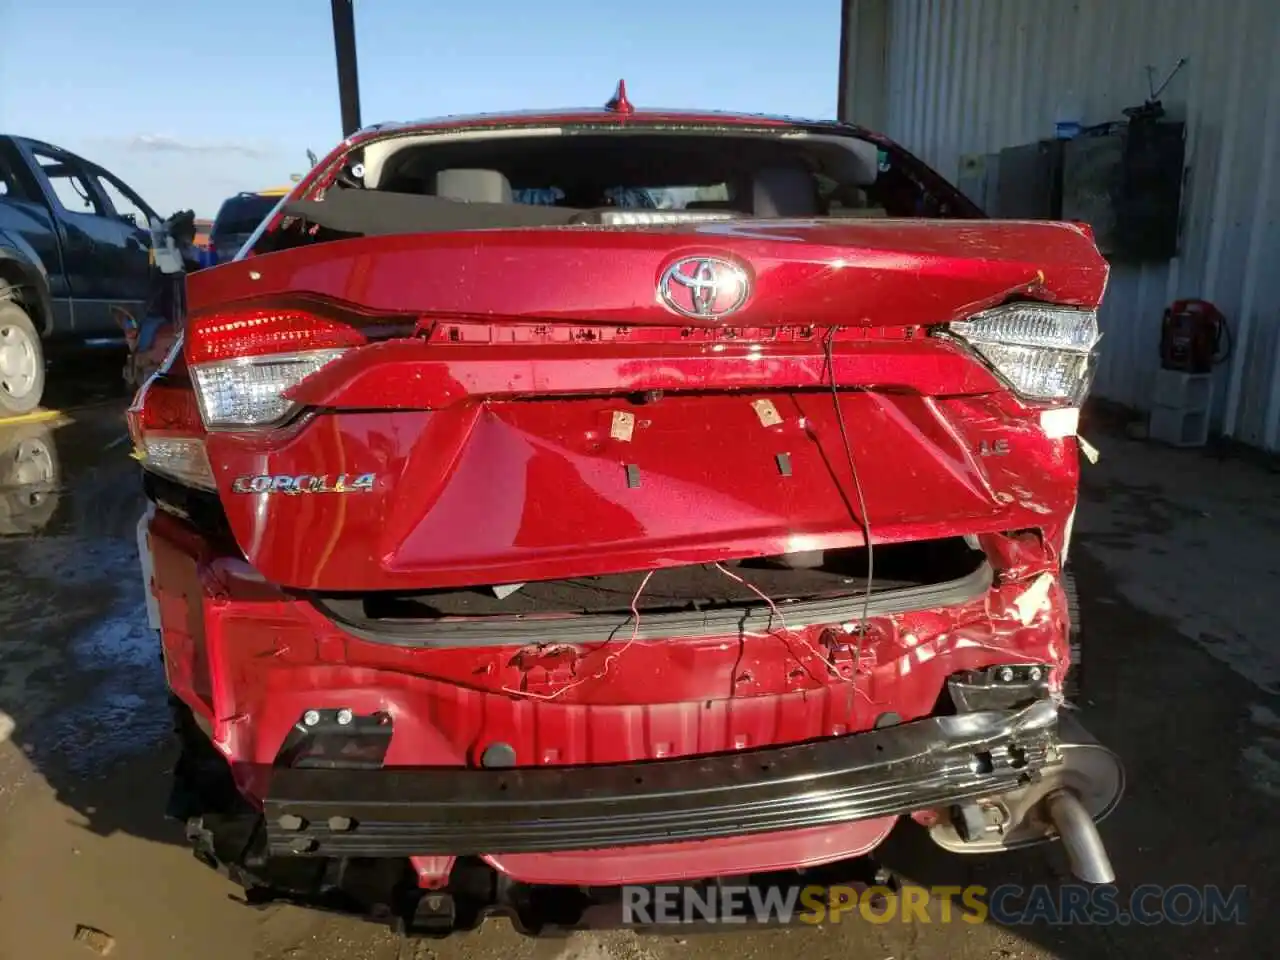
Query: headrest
(474, 186)
(785, 192)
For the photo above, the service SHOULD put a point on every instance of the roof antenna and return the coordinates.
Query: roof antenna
(620, 103)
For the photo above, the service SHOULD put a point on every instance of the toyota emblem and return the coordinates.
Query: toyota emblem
(706, 288)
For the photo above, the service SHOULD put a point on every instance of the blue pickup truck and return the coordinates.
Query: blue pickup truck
(75, 258)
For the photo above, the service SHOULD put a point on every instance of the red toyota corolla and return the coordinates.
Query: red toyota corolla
(611, 497)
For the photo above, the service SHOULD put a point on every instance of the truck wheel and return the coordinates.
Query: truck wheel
(21, 361)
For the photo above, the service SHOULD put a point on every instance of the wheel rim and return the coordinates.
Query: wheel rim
(18, 363)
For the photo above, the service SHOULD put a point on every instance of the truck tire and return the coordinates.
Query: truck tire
(21, 361)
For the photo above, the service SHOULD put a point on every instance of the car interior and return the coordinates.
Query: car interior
(428, 183)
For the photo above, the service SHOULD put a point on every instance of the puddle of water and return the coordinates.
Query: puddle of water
(124, 707)
(29, 477)
(80, 675)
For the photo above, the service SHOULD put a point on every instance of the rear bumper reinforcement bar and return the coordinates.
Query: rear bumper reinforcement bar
(394, 812)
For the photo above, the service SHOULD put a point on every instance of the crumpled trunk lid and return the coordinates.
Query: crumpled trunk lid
(539, 413)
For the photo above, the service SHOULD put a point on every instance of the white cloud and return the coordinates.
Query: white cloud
(164, 143)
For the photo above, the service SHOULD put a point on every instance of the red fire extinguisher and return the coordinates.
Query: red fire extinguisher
(1194, 337)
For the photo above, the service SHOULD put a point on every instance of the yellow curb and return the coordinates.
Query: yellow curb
(35, 416)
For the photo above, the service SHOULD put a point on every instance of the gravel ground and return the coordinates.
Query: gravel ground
(1178, 560)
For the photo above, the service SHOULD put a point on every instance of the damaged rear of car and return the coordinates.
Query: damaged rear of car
(617, 498)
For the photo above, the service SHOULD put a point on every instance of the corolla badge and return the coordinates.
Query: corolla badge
(304, 483)
(707, 288)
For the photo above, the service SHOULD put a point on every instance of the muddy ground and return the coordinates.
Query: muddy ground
(1178, 558)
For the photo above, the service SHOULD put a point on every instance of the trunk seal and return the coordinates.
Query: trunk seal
(729, 621)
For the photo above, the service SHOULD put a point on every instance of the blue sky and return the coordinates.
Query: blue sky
(190, 102)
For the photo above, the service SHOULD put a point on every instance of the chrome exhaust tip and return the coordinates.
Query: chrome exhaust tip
(1086, 854)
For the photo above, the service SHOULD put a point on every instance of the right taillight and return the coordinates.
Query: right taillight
(1044, 352)
(242, 364)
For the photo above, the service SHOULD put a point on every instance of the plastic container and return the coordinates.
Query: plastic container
(1066, 124)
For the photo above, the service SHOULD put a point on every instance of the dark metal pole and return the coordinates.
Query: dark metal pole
(344, 42)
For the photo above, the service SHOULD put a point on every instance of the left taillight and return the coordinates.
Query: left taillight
(232, 370)
(251, 392)
(243, 364)
(166, 428)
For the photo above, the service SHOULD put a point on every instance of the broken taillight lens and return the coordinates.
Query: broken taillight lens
(243, 363)
(165, 425)
(1044, 352)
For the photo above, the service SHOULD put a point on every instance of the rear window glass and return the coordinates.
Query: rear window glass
(243, 214)
(428, 183)
(639, 170)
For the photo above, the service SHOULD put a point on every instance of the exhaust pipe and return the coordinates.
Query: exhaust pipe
(1080, 838)
(1065, 803)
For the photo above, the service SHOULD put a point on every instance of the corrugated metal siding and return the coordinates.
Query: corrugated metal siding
(864, 26)
(974, 76)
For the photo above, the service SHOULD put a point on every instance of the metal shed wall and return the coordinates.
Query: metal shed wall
(974, 76)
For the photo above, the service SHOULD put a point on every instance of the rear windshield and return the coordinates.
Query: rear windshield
(242, 214)
(423, 182)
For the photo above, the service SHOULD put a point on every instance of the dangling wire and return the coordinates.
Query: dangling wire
(608, 660)
(863, 521)
(789, 632)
